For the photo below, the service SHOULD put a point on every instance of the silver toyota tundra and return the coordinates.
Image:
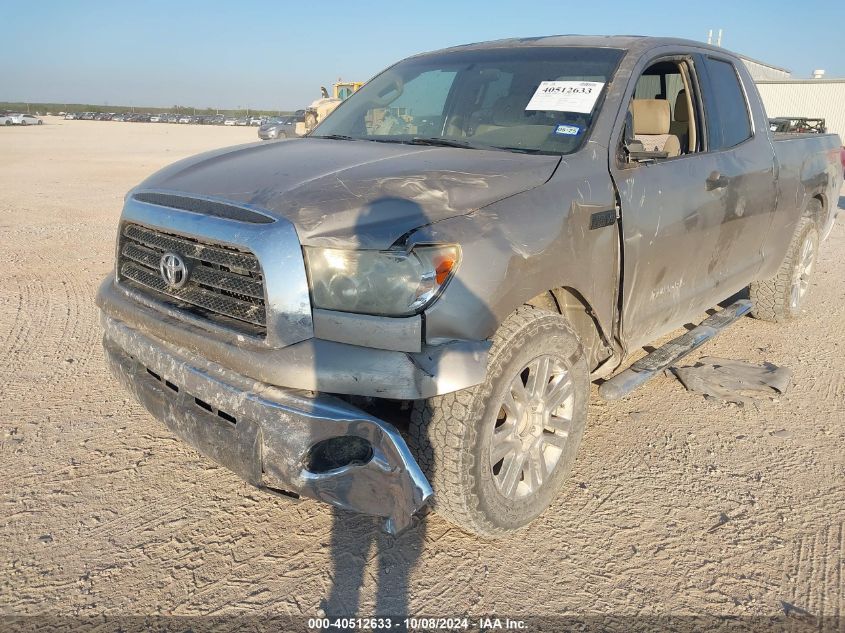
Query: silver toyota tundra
(408, 306)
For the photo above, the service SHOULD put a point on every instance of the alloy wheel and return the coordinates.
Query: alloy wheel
(801, 280)
(532, 428)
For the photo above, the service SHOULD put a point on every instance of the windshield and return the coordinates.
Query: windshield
(535, 99)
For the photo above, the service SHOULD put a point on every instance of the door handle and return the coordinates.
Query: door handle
(717, 181)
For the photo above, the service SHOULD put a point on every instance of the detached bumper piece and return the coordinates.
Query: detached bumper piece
(282, 440)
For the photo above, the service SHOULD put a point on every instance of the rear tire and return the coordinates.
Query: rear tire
(781, 297)
(497, 454)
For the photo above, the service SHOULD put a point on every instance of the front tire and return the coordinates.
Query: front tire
(496, 454)
(781, 297)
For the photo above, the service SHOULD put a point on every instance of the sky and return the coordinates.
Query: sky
(276, 55)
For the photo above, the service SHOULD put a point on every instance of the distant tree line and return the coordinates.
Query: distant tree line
(55, 108)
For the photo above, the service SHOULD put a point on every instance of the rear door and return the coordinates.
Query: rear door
(745, 170)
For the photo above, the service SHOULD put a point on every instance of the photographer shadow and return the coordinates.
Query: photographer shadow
(356, 540)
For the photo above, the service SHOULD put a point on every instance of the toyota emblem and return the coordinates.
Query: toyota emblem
(173, 270)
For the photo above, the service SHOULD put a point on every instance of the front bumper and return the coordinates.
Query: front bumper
(314, 364)
(265, 434)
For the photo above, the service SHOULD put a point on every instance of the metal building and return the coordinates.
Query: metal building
(761, 71)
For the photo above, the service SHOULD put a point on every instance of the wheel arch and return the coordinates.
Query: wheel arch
(818, 214)
(571, 304)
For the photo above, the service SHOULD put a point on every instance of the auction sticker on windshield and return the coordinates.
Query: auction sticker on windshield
(566, 96)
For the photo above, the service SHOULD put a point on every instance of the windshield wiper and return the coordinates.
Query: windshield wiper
(439, 141)
(335, 137)
(524, 150)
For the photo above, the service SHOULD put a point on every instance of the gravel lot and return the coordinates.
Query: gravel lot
(676, 506)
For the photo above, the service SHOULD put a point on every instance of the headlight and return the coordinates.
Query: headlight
(390, 283)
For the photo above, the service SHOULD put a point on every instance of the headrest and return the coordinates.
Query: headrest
(508, 110)
(651, 116)
(681, 106)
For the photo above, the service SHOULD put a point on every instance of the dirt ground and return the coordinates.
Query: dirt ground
(676, 506)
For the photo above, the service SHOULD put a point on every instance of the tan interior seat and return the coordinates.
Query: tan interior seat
(680, 122)
(651, 126)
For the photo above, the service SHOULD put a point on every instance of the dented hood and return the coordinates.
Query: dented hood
(355, 193)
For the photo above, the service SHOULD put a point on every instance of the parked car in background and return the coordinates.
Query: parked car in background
(156, 118)
(119, 117)
(26, 119)
(256, 120)
(185, 119)
(71, 116)
(6, 119)
(242, 121)
(278, 127)
(87, 116)
(230, 120)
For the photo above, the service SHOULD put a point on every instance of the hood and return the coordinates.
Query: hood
(355, 194)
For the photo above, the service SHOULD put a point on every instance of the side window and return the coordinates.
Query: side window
(728, 119)
(663, 109)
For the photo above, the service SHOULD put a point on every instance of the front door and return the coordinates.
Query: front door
(670, 226)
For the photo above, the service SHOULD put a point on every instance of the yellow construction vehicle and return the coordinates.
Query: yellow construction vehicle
(323, 106)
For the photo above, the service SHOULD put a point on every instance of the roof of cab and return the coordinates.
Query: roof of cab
(637, 43)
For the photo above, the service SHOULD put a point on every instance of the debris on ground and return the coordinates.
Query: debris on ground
(723, 518)
(733, 380)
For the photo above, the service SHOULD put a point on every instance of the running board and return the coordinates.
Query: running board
(649, 366)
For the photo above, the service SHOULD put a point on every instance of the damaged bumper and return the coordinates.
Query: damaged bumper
(271, 437)
(314, 364)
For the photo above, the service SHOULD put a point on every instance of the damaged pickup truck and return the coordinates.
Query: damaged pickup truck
(408, 306)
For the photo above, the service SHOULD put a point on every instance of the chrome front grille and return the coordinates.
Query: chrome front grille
(224, 285)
